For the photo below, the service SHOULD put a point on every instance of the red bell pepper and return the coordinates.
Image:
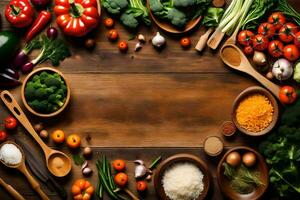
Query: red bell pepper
(19, 13)
(76, 17)
(38, 25)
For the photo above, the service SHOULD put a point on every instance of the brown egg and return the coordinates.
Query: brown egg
(249, 159)
(233, 159)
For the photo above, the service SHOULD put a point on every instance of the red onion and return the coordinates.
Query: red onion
(28, 67)
(52, 33)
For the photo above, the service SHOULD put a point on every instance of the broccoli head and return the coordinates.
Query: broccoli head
(184, 3)
(130, 17)
(29, 93)
(114, 6)
(51, 81)
(56, 99)
(176, 17)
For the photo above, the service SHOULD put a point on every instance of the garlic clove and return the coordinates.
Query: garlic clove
(139, 162)
(138, 46)
(87, 171)
(141, 38)
(84, 165)
(140, 171)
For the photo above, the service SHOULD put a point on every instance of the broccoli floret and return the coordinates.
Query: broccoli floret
(156, 6)
(50, 81)
(29, 92)
(40, 106)
(176, 17)
(43, 76)
(114, 6)
(56, 99)
(35, 78)
(184, 3)
(41, 93)
(129, 18)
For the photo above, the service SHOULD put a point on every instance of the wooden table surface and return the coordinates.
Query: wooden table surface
(167, 101)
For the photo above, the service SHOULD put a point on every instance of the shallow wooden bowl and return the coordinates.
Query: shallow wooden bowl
(181, 158)
(38, 71)
(166, 26)
(260, 165)
(250, 91)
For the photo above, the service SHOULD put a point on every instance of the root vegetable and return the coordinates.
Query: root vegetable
(259, 58)
(233, 159)
(282, 69)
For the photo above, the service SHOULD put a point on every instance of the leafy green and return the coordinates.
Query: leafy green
(288, 10)
(282, 153)
(46, 92)
(242, 180)
(78, 159)
(54, 50)
(213, 16)
(114, 6)
(257, 11)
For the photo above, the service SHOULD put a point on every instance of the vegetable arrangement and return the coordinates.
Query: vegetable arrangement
(178, 12)
(282, 153)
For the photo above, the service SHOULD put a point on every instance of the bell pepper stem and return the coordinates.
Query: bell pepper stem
(74, 8)
(15, 9)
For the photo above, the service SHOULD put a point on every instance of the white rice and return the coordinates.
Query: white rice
(183, 181)
(10, 154)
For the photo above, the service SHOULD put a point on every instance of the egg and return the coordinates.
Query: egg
(233, 159)
(249, 159)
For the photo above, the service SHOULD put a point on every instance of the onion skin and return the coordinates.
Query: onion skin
(27, 68)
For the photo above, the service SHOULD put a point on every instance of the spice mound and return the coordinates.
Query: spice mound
(255, 113)
(10, 154)
(183, 181)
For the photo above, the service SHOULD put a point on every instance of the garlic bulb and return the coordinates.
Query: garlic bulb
(282, 69)
(158, 40)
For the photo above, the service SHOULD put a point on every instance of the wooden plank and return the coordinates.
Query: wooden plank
(146, 110)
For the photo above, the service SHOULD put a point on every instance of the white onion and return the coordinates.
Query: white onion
(282, 69)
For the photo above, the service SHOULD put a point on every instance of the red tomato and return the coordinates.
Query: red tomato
(141, 186)
(10, 123)
(245, 37)
(297, 39)
(113, 35)
(123, 46)
(109, 22)
(291, 52)
(287, 32)
(3, 136)
(119, 165)
(287, 95)
(248, 50)
(121, 179)
(266, 29)
(260, 42)
(275, 48)
(185, 42)
(277, 19)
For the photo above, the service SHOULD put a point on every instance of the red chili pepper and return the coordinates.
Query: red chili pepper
(19, 13)
(38, 25)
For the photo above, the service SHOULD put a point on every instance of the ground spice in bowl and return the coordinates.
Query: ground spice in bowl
(213, 146)
(228, 128)
(255, 112)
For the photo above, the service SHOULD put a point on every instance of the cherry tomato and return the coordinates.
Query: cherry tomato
(287, 95)
(121, 179)
(123, 47)
(266, 29)
(3, 136)
(141, 186)
(119, 165)
(287, 32)
(245, 37)
(185, 42)
(248, 50)
(10, 123)
(113, 35)
(275, 48)
(291, 52)
(260, 42)
(109, 22)
(297, 39)
(277, 19)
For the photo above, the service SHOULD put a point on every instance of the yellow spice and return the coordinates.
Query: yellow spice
(255, 113)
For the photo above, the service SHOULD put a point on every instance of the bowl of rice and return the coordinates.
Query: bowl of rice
(255, 111)
(182, 177)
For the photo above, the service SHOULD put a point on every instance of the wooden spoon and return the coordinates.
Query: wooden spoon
(235, 58)
(203, 39)
(58, 163)
(12, 191)
(22, 168)
(215, 39)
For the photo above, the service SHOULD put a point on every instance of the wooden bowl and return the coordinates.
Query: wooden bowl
(250, 91)
(37, 71)
(260, 165)
(181, 158)
(166, 26)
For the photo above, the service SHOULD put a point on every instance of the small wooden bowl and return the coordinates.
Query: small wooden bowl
(181, 158)
(260, 165)
(37, 71)
(166, 26)
(250, 91)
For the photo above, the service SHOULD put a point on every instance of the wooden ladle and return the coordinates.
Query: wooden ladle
(58, 163)
(22, 168)
(235, 58)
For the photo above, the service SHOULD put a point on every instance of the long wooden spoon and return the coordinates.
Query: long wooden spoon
(58, 163)
(22, 168)
(235, 58)
(12, 191)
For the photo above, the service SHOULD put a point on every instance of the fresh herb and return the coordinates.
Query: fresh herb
(212, 17)
(257, 11)
(242, 180)
(288, 10)
(282, 153)
(54, 50)
(154, 163)
(78, 160)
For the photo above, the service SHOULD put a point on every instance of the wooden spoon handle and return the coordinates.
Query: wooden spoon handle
(215, 39)
(14, 193)
(203, 39)
(34, 184)
(132, 196)
(15, 109)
